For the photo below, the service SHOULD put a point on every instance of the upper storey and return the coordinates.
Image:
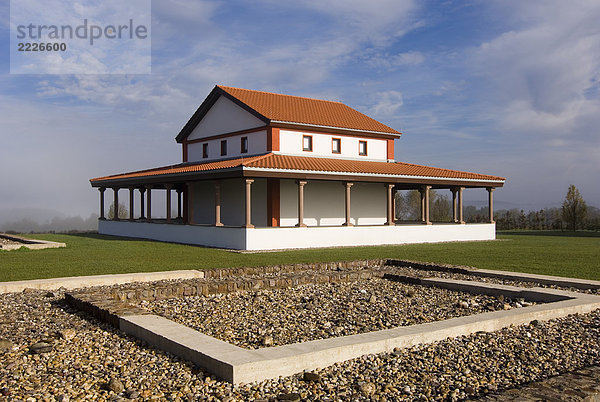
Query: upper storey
(233, 122)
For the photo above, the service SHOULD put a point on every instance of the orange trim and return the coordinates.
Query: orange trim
(272, 139)
(184, 149)
(273, 203)
(390, 149)
(225, 135)
(336, 133)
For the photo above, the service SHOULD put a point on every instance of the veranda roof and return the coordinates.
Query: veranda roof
(289, 166)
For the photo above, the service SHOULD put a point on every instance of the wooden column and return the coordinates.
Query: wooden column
(390, 204)
(131, 194)
(454, 218)
(249, 203)
(101, 190)
(348, 185)
(178, 202)
(149, 203)
(460, 205)
(116, 204)
(142, 208)
(301, 185)
(426, 205)
(218, 203)
(168, 187)
(491, 203)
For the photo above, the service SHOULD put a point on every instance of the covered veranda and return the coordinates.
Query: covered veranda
(268, 172)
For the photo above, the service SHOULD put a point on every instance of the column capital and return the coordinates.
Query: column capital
(490, 189)
(168, 186)
(102, 189)
(249, 181)
(301, 182)
(148, 187)
(348, 184)
(390, 186)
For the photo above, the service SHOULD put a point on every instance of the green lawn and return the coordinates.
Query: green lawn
(551, 253)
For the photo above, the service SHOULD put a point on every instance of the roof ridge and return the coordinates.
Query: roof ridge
(224, 87)
(256, 158)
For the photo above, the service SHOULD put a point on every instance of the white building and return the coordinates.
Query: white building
(268, 171)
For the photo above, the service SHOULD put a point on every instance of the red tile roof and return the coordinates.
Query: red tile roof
(296, 109)
(314, 164)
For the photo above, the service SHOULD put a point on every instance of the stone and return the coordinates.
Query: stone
(40, 347)
(469, 390)
(267, 340)
(5, 344)
(463, 304)
(373, 299)
(115, 385)
(367, 388)
(311, 377)
(4, 391)
(63, 398)
(406, 390)
(50, 294)
(292, 396)
(66, 334)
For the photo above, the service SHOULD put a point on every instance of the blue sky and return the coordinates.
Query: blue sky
(508, 88)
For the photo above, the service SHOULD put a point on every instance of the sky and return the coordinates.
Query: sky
(508, 88)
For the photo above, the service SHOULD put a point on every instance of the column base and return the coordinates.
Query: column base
(462, 223)
(427, 223)
(347, 224)
(301, 225)
(219, 224)
(390, 224)
(250, 226)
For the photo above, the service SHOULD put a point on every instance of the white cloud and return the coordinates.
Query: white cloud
(544, 67)
(387, 104)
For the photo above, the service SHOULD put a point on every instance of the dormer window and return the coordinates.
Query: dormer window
(362, 148)
(307, 144)
(205, 150)
(223, 147)
(336, 145)
(244, 145)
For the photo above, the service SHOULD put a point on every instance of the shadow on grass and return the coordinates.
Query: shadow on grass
(558, 233)
(97, 236)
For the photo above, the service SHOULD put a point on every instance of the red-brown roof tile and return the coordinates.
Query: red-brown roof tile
(296, 109)
(289, 162)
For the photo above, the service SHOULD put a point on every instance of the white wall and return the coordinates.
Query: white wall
(324, 203)
(233, 209)
(224, 117)
(290, 142)
(257, 144)
(282, 238)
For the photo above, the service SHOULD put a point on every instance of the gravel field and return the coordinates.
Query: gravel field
(264, 318)
(81, 358)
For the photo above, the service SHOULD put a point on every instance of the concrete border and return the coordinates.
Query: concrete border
(74, 282)
(238, 365)
(32, 244)
(509, 275)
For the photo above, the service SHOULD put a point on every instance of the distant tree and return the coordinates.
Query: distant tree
(123, 212)
(574, 210)
(440, 209)
(408, 205)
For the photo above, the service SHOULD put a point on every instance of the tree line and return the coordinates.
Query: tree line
(573, 215)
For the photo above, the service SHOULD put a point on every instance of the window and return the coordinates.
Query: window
(223, 147)
(244, 145)
(362, 147)
(307, 143)
(205, 150)
(336, 145)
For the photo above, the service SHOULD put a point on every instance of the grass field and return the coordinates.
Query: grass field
(550, 253)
